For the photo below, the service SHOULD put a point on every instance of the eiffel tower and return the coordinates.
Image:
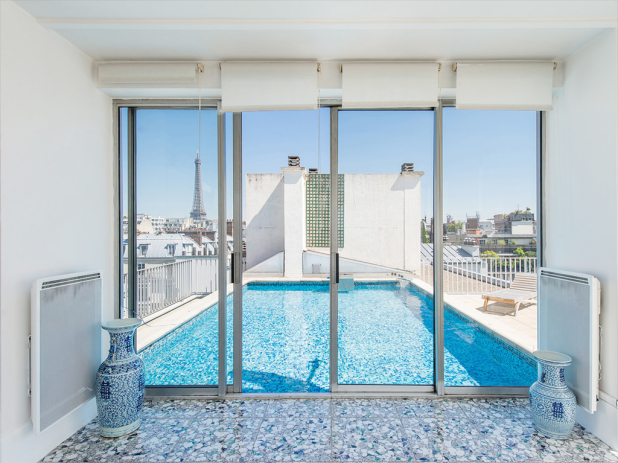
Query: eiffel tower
(198, 213)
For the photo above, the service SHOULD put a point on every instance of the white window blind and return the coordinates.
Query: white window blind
(390, 85)
(523, 86)
(262, 86)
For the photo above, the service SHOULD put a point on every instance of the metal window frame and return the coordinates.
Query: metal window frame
(502, 391)
(335, 386)
(438, 256)
(133, 106)
(237, 255)
(336, 389)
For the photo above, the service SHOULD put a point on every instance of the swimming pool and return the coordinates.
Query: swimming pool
(385, 337)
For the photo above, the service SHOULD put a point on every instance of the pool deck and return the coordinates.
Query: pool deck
(520, 331)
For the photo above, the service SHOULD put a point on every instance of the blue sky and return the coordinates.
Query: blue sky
(489, 156)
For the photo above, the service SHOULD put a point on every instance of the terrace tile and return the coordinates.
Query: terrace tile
(364, 408)
(152, 442)
(495, 408)
(432, 408)
(512, 439)
(321, 430)
(172, 408)
(299, 408)
(370, 439)
(217, 440)
(447, 439)
(292, 439)
(235, 408)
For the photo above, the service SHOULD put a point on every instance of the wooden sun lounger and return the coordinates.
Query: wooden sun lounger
(522, 288)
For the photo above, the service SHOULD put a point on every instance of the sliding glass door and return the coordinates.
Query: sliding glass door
(490, 237)
(281, 303)
(170, 249)
(355, 254)
(382, 217)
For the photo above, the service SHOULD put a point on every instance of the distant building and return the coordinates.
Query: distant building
(486, 226)
(165, 246)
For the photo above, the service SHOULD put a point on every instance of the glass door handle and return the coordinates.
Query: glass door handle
(337, 268)
(233, 255)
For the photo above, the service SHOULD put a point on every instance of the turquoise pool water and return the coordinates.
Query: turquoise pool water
(385, 337)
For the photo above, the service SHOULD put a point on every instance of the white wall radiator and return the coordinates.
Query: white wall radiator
(569, 306)
(65, 345)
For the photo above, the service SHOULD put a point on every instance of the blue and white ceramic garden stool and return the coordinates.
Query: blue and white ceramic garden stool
(120, 381)
(552, 403)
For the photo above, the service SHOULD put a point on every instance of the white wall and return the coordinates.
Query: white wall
(579, 189)
(382, 219)
(294, 220)
(56, 181)
(264, 216)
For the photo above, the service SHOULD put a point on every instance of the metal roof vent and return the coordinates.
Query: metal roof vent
(313, 170)
(293, 161)
(407, 167)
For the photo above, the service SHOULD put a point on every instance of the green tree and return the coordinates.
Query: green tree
(519, 252)
(490, 254)
(502, 242)
(530, 254)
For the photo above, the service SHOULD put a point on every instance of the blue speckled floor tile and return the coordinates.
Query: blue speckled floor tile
(292, 439)
(430, 408)
(447, 439)
(304, 408)
(216, 440)
(152, 442)
(317, 430)
(370, 439)
(512, 439)
(494, 409)
(364, 408)
(235, 408)
(171, 408)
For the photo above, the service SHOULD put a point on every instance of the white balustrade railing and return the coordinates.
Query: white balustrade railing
(479, 275)
(161, 286)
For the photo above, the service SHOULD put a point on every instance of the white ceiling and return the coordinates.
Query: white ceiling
(325, 30)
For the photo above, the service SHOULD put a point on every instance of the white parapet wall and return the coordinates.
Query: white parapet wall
(381, 220)
(294, 220)
(264, 216)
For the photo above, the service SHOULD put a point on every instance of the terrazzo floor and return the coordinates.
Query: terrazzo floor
(332, 430)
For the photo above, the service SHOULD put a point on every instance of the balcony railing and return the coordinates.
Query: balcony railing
(160, 286)
(479, 276)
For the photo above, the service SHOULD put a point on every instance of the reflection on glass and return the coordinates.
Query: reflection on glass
(384, 210)
(489, 237)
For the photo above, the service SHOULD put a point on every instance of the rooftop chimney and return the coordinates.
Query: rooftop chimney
(293, 161)
(407, 167)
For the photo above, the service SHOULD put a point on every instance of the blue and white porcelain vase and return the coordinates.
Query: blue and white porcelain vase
(552, 403)
(120, 381)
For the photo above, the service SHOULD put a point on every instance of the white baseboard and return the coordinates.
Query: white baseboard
(603, 423)
(23, 445)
